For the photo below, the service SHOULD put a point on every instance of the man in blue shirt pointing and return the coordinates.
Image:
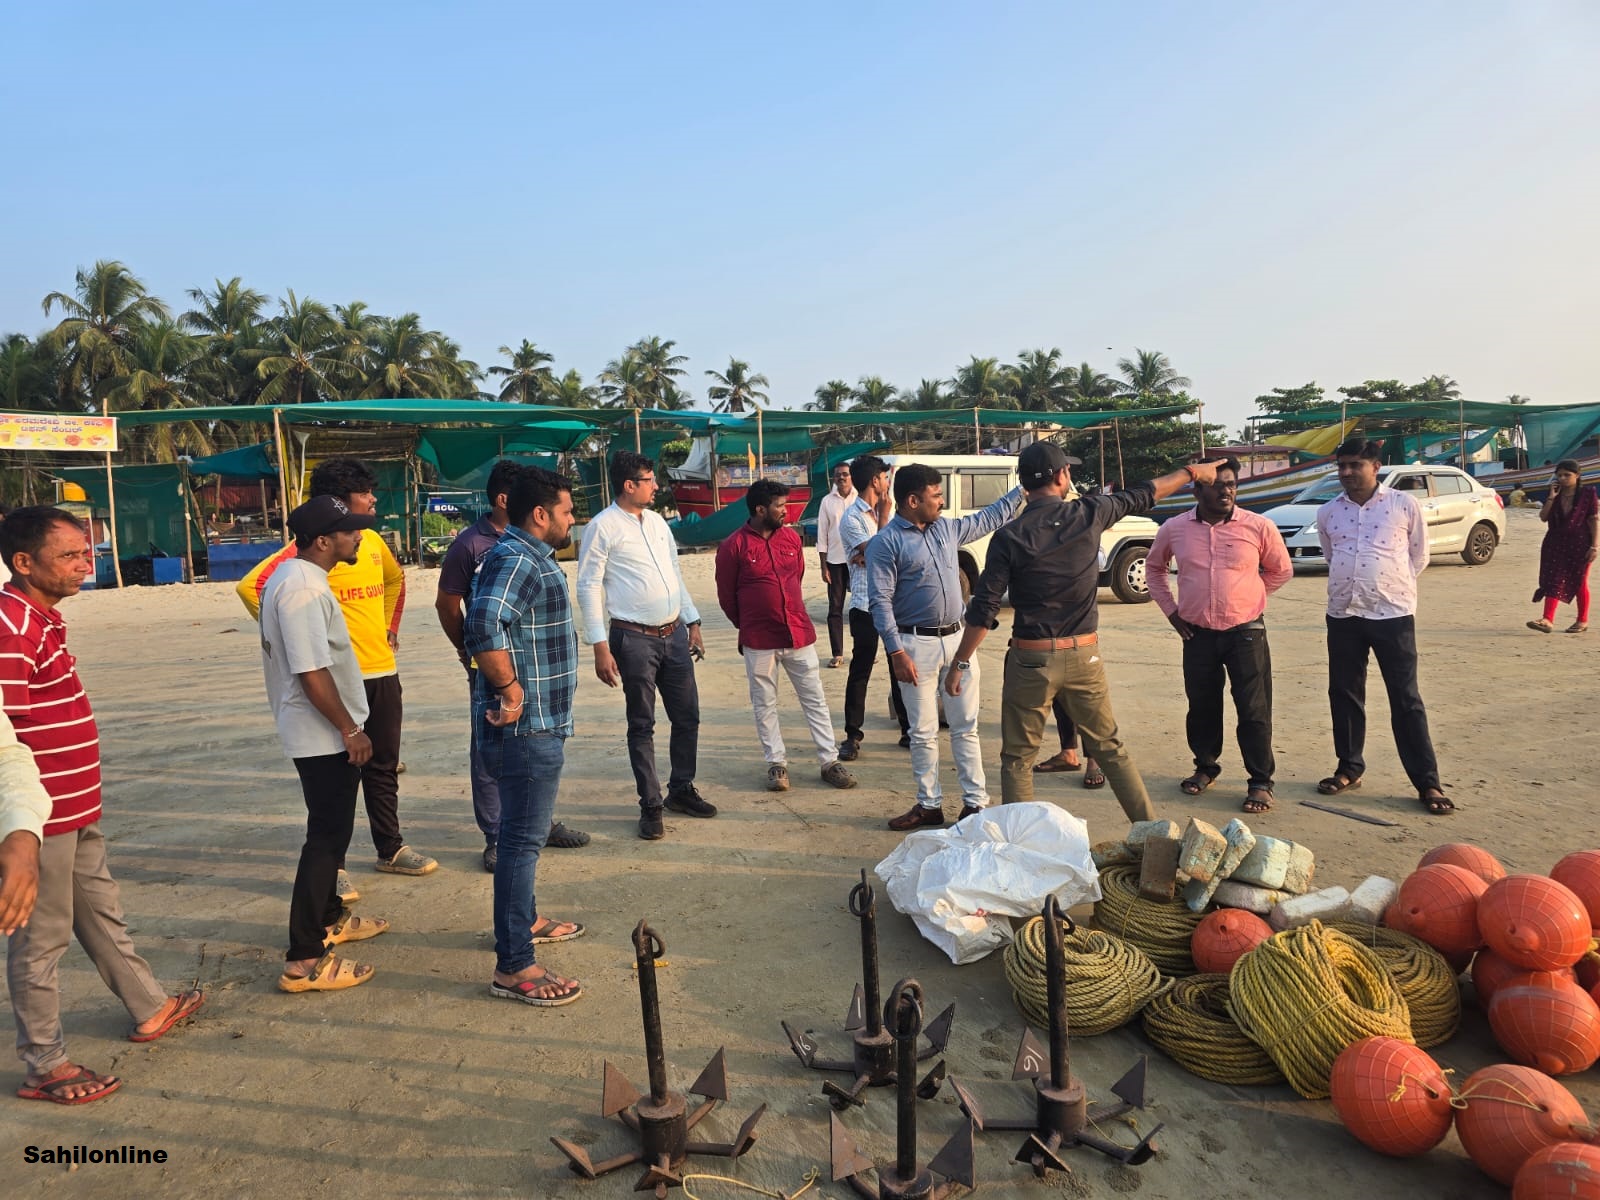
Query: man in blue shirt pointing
(914, 595)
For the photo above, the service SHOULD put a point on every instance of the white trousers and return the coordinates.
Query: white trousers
(761, 669)
(932, 657)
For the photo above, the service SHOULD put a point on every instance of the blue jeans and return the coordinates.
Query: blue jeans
(485, 792)
(528, 769)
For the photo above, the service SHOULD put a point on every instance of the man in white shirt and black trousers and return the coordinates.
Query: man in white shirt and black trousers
(835, 562)
(628, 571)
(1375, 540)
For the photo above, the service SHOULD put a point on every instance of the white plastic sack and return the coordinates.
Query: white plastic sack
(959, 884)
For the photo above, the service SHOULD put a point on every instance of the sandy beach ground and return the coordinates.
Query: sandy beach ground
(419, 1084)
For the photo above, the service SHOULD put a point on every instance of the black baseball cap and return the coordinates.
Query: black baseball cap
(1038, 464)
(327, 514)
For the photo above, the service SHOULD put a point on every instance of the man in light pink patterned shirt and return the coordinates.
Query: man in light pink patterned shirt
(1376, 542)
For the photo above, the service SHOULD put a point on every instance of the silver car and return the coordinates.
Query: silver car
(1464, 517)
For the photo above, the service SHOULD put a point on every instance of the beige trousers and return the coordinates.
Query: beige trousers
(76, 896)
(1032, 679)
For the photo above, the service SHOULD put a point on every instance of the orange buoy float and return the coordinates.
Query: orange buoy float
(1439, 905)
(1505, 1114)
(1490, 972)
(1545, 1020)
(1472, 858)
(1588, 971)
(1580, 871)
(1534, 922)
(1565, 1171)
(1391, 1096)
(1224, 937)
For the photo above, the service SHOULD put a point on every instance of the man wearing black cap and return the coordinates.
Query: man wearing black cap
(1048, 558)
(319, 701)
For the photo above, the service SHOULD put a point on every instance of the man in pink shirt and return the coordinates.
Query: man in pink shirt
(1229, 561)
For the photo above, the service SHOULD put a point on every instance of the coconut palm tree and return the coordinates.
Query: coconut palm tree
(872, 394)
(736, 389)
(829, 397)
(1438, 388)
(228, 320)
(407, 362)
(306, 359)
(1041, 381)
(159, 362)
(529, 377)
(661, 368)
(1085, 383)
(28, 372)
(99, 323)
(1150, 373)
(928, 394)
(627, 383)
(570, 392)
(983, 383)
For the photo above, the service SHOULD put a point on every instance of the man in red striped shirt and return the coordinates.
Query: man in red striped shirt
(48, 554)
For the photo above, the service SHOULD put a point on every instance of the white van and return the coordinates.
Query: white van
(974, 481)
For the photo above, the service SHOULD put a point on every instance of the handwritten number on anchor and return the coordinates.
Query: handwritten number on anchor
(805, 1044)
(1030, 1062)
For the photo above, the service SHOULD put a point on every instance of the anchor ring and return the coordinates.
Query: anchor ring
(905, 997)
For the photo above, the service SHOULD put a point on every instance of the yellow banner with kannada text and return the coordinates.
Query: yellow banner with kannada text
(57, 431)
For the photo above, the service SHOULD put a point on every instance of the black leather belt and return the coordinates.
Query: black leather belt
(932, 630)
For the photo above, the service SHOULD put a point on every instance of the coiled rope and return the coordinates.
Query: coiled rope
(1191, 1023)
(1107, 980)
(1305, 994)
(1161, 929)
(1426, 979)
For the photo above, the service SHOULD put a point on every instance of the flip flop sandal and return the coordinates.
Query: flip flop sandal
(1055, 765)
(1438, 806)
(354, 929)
(1257, 806)
(1094, 779)
(188, 1004)
(545, 923)
(566, 993)
(1196, 783)
(1334, 784)
(51, 1089)
(331, 974)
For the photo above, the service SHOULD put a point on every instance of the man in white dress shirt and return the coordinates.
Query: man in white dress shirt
(835, 562)
(1376, 542)
(628, 571)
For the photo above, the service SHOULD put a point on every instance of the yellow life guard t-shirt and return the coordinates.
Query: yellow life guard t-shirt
(372, 595)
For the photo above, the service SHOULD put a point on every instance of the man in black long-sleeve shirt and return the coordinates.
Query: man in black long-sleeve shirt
(1048, 558)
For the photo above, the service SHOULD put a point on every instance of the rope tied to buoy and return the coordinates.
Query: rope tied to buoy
(1425, 978)
(1305, 994)
(1107, 980)
(1191, 1023)
(1161, 929)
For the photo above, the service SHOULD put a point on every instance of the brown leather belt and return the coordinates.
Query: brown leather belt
(1066, 643)
(655, 631)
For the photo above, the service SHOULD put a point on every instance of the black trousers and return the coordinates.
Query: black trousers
(1394, 641)
(838, 577)
(650, 665)
(329, 783)
(1066, 730)
(863, 652)
(380, 778)
(1242, 654)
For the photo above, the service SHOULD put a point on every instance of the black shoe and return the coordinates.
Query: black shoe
(905, 741)
(691, 803)
(968, 810)
(565, 837)
(491, 854)
(849, 750)
(650, 827)
(917, 817)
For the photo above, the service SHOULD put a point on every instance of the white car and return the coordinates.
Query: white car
(974, 481)
(1464, 517)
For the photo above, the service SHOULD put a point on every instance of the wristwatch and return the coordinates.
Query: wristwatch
(962, 665)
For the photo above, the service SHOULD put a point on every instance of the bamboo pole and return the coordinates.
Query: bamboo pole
(716, 493)
(1202, 413)
(761, 447)
(977, 434)
(111, 505)
(1461, 427)
(1116, 424)
(283, 481)
(188, 518)
(638, 438)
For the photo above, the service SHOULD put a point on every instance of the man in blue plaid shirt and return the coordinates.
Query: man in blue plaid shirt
(519, 627)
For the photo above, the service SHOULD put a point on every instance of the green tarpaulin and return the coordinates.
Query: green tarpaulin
(247, 462)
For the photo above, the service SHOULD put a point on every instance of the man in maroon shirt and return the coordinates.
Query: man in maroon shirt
(48, 554)
(759, 570)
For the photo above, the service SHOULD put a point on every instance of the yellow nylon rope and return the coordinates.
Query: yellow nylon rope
(1426, 980)
(1161, 930)
(1191, 1023)
(1107, 980)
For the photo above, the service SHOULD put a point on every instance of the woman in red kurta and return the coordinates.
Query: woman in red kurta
(1571, 514)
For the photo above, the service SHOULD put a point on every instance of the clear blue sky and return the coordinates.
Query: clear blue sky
(1269, 193)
